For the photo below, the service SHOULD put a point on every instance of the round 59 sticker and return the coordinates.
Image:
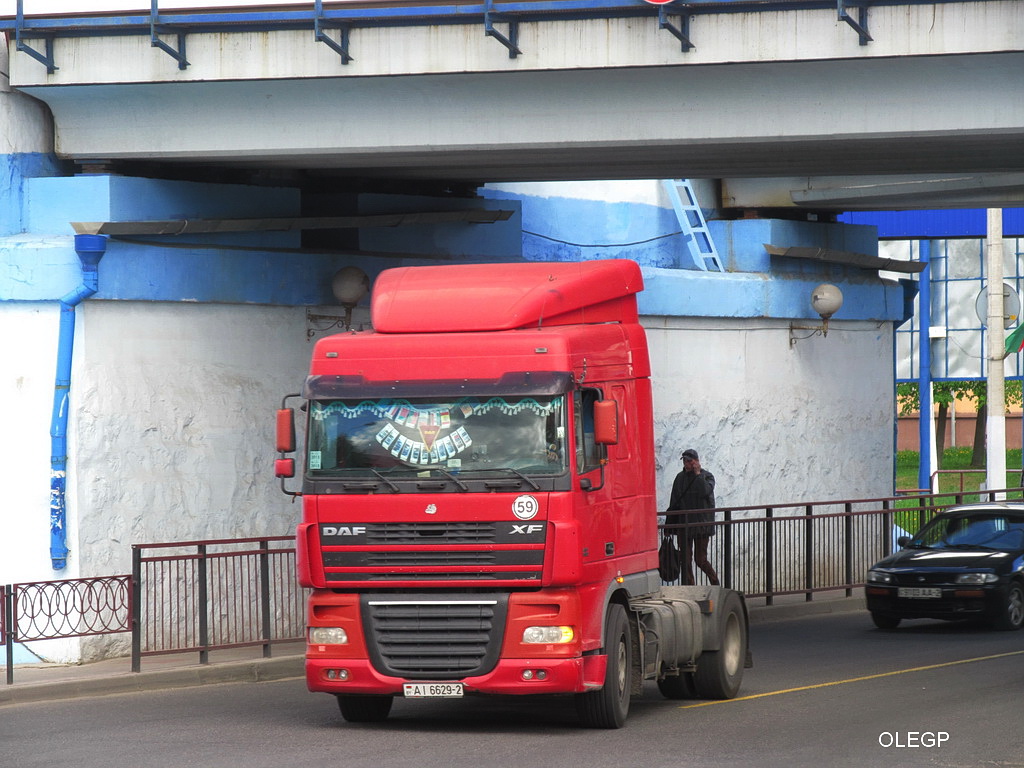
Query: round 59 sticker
(525, 507)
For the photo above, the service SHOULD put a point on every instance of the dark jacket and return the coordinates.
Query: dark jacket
(690, 494)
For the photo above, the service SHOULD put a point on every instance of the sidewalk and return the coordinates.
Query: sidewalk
(51, 682)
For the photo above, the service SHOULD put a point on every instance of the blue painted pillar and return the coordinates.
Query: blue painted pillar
(924, 365)
(90, 249)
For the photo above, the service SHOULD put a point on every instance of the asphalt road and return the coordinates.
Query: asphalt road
(825, 690)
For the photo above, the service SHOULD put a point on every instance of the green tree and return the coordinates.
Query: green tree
(944, 394)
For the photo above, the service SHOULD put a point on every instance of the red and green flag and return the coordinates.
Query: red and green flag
(1015, 341)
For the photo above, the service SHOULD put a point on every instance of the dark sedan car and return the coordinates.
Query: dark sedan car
(966, 563)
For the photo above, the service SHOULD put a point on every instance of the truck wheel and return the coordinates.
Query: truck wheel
(365, 709)
(680, 686)
(608, 707)
(719, 673)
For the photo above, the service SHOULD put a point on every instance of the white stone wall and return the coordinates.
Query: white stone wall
(775, 423)
(173, 425)
(28, 350)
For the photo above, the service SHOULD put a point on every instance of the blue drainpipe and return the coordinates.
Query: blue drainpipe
(90, 249)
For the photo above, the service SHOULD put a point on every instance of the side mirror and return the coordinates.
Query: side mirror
(284, 468)
(606, 422)
(903, 541)
(286, 432)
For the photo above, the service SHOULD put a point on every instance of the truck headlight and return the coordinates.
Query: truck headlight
(977, 578)
(327, 636)
(879, 577)
(546, 635)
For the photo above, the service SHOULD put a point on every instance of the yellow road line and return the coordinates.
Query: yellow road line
(852, 680)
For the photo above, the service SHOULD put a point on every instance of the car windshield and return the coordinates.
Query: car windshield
(418, 437)
(976, 531)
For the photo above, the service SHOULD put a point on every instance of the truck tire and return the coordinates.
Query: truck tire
(719, 673)
(608, 707)
(364, 709)
(679, 686)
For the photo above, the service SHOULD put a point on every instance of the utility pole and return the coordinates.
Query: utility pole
(995, 462)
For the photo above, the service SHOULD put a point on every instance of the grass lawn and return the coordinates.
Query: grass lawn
(958, 459)
(962, 478)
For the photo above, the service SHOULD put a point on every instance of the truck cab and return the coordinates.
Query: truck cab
(478, 502)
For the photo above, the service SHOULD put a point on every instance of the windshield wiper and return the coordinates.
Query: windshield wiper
(520, 475)
(453, 478)
(391, 486)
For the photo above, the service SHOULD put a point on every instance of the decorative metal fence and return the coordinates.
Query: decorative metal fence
(53, 610)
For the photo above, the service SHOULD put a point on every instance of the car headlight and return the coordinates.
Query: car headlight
(545, 635)
(327, 636)
(977, 578)
(879, 577)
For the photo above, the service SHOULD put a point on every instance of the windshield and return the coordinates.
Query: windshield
(989, 531)
(393, 436)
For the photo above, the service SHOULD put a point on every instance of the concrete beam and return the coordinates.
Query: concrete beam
(747, 120)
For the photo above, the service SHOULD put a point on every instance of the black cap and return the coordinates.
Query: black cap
(689, 453)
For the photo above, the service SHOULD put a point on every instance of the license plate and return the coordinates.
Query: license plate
(931, 593)
(432, 690)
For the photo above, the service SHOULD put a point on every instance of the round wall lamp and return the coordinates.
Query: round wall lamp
(826, 299)
(350, 285)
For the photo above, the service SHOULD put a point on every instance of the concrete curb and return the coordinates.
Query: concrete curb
(762, 614)
(80, 685)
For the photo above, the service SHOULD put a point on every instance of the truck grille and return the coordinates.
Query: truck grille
(434, 533)
(422, 637)
(434, 551)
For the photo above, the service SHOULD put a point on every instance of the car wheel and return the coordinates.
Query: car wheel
(1012, 617)
(885, 621)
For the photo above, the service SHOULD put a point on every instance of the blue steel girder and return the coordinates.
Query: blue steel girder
(341, 48)
(860, 26)
(345, 18)
(178, 54)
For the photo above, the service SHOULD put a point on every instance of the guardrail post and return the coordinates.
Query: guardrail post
(848, 536)
(769, 557)
(204, 608)
(135, 608)
(7, 636)
(265, 596)
(809, 553)
(888, 524)
(727, 549)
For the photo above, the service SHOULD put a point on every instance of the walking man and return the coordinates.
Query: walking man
(693, 492)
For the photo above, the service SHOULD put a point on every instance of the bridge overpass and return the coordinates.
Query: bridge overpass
(821, 104)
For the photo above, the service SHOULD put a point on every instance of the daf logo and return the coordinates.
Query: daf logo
(431, 509)
(344, 530)
(526, 530)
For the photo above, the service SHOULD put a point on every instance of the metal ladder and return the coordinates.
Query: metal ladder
(700, 246)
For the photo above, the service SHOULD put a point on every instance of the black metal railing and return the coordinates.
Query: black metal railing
(804, 549)
(200, 596)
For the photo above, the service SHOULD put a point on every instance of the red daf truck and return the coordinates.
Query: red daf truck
(478, 500)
